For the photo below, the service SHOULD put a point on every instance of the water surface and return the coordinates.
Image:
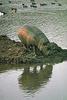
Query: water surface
(38, 81)
(52, 19)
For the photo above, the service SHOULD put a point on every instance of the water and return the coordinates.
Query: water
(53, 24)
(51, 19)
(41, 81)
(23, 82)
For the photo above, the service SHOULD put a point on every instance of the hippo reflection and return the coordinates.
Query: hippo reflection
(31, 81)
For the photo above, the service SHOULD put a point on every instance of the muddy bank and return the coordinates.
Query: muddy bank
(12, 52)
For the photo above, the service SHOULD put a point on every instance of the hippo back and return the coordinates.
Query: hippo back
(37, 33)
(32, 35)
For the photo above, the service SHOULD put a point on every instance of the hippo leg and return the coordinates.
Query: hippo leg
(32, 47)
(38, 52)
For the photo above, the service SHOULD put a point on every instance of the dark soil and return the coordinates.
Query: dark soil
(12, 52)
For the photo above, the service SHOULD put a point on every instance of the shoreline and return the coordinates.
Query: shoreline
(12, 52)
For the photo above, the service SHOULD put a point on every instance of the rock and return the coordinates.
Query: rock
(53, 3)
(33, 6)
(59, 4)
(1, 3)
(43, 4)
(10, 1)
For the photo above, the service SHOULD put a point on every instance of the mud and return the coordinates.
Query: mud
(12, 52)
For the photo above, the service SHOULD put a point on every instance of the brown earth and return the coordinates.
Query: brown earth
(15, 52)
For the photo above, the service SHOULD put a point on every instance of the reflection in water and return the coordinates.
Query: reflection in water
(33, 76)
(31, 81)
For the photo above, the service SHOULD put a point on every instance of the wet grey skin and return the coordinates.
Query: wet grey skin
(39, 41)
